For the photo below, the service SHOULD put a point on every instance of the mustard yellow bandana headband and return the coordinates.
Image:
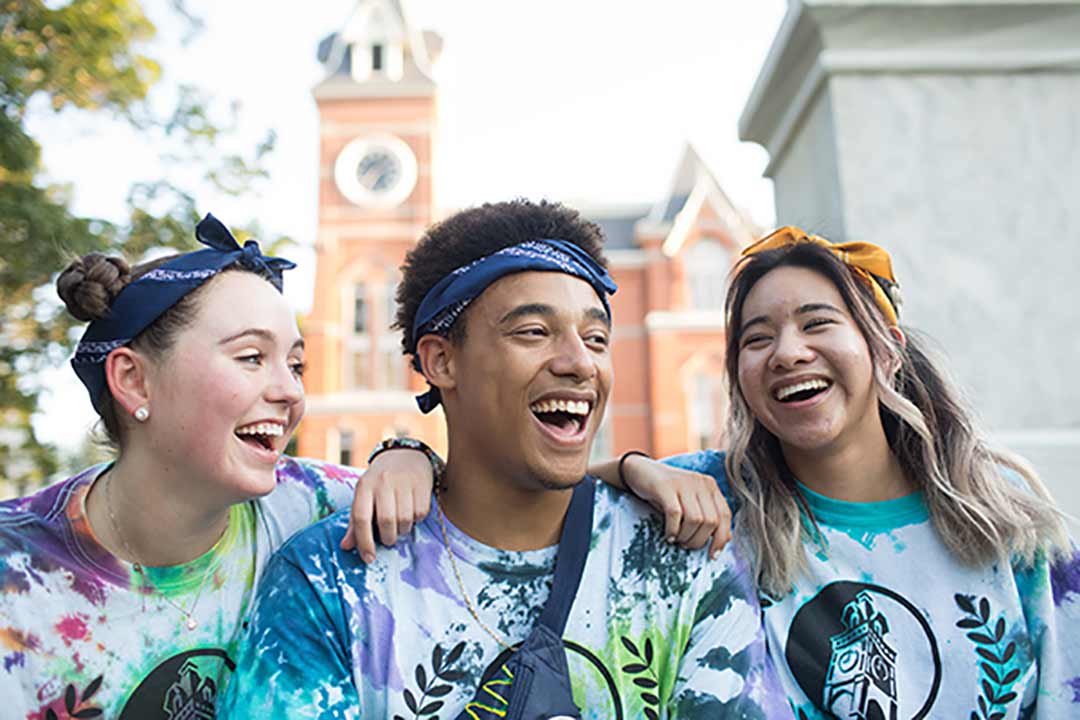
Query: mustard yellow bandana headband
(871, 263)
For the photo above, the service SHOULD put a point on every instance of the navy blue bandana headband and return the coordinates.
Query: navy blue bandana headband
(144, 300)
(447, 300)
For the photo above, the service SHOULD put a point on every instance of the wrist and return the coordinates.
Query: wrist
(438, 467)
(622, 467)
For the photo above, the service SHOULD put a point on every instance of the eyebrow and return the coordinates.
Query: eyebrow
(262, 334)
(527, 309)
(544, 310)
(595, 313)
(801, 310)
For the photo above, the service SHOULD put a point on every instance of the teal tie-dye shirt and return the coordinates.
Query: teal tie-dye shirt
(655, 631)
(887, 624)
(82, 636)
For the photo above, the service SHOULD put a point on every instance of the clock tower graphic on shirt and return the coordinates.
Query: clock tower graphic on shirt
(861, 679)
(377, 116)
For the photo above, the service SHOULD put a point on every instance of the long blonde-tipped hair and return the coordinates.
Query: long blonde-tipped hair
(980, 515)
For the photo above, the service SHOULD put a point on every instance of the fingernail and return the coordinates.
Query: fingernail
(369, 558)
(671, 539)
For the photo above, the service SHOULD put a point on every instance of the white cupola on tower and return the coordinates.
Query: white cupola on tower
(375, 37)
(378, 46)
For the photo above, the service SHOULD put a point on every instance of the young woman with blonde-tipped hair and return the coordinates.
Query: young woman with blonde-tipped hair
(907, 569)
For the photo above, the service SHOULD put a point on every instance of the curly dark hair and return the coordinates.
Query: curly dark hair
(475, 233)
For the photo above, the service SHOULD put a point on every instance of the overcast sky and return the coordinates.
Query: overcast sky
(585, 101)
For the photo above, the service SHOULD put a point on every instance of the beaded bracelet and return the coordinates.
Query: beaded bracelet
(622, 459)
(438, 467)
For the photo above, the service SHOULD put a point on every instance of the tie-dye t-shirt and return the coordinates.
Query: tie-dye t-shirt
(655, 631)
(82, 636)
(888, 624)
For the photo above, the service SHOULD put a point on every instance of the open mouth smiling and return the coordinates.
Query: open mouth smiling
(563, 417)
(263, 435)
(801, 390)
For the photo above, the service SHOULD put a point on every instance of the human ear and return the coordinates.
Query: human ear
(126, 375)
(898, 335)
(436, 355)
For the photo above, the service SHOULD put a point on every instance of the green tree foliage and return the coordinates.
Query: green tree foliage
(87, 56)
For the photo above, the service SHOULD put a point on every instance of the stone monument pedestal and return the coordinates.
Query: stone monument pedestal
(949, 132)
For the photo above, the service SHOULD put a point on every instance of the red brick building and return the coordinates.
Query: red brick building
(377, 109)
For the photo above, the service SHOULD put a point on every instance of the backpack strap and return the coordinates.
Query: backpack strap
(570, 558)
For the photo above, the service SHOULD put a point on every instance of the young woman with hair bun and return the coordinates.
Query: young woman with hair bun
(907, 569)
(122, 588)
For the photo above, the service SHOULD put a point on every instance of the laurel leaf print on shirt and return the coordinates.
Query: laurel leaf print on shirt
(646, 676)
(438, 686)
(994, 657)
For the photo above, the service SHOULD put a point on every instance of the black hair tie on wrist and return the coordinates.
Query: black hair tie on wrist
(622, 459)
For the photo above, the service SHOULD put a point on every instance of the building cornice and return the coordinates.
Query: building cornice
(337, 89)
(822, 38)
(401, 129)
(686, 320)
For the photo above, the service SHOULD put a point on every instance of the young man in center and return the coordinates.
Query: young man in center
(505, 311)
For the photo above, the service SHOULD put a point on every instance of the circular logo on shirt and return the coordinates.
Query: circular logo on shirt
(863, 651)
(184, 686)
(582, 664)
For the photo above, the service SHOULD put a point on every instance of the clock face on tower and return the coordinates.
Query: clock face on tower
(376, 170)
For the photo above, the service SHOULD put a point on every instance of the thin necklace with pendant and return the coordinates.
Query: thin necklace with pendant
(189, 613)
(457, 574)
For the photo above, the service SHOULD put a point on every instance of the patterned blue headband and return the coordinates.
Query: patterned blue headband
(146, 298)
(447, 300)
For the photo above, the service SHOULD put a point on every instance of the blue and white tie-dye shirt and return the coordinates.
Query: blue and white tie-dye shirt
(82, 635)
(655, 631)
(888, 624)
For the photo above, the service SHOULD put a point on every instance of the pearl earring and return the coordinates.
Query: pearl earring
(142, 413)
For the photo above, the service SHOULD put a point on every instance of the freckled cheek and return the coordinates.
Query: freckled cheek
(749, 381)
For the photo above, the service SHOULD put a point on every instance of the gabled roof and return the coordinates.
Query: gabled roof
(692, 186)
(617, 223)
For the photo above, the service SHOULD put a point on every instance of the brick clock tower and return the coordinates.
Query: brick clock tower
(377, 111)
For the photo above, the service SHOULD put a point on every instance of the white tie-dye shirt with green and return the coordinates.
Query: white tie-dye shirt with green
(655, 630)
(887, 623)
(82, 636)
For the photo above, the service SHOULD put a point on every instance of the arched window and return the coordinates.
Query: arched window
(360, 309)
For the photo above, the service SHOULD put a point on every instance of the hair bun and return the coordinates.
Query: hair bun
(89, 285)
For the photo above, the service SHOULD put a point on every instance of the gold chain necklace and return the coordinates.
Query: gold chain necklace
(191, 623)
(460, 582)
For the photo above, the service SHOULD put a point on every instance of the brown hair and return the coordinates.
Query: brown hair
(980, 514)
(89, 285)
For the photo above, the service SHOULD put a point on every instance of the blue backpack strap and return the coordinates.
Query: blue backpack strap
(570, 558)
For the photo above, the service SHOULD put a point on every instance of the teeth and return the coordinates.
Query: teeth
(574, 407)
(271, 429)
(786, 392)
